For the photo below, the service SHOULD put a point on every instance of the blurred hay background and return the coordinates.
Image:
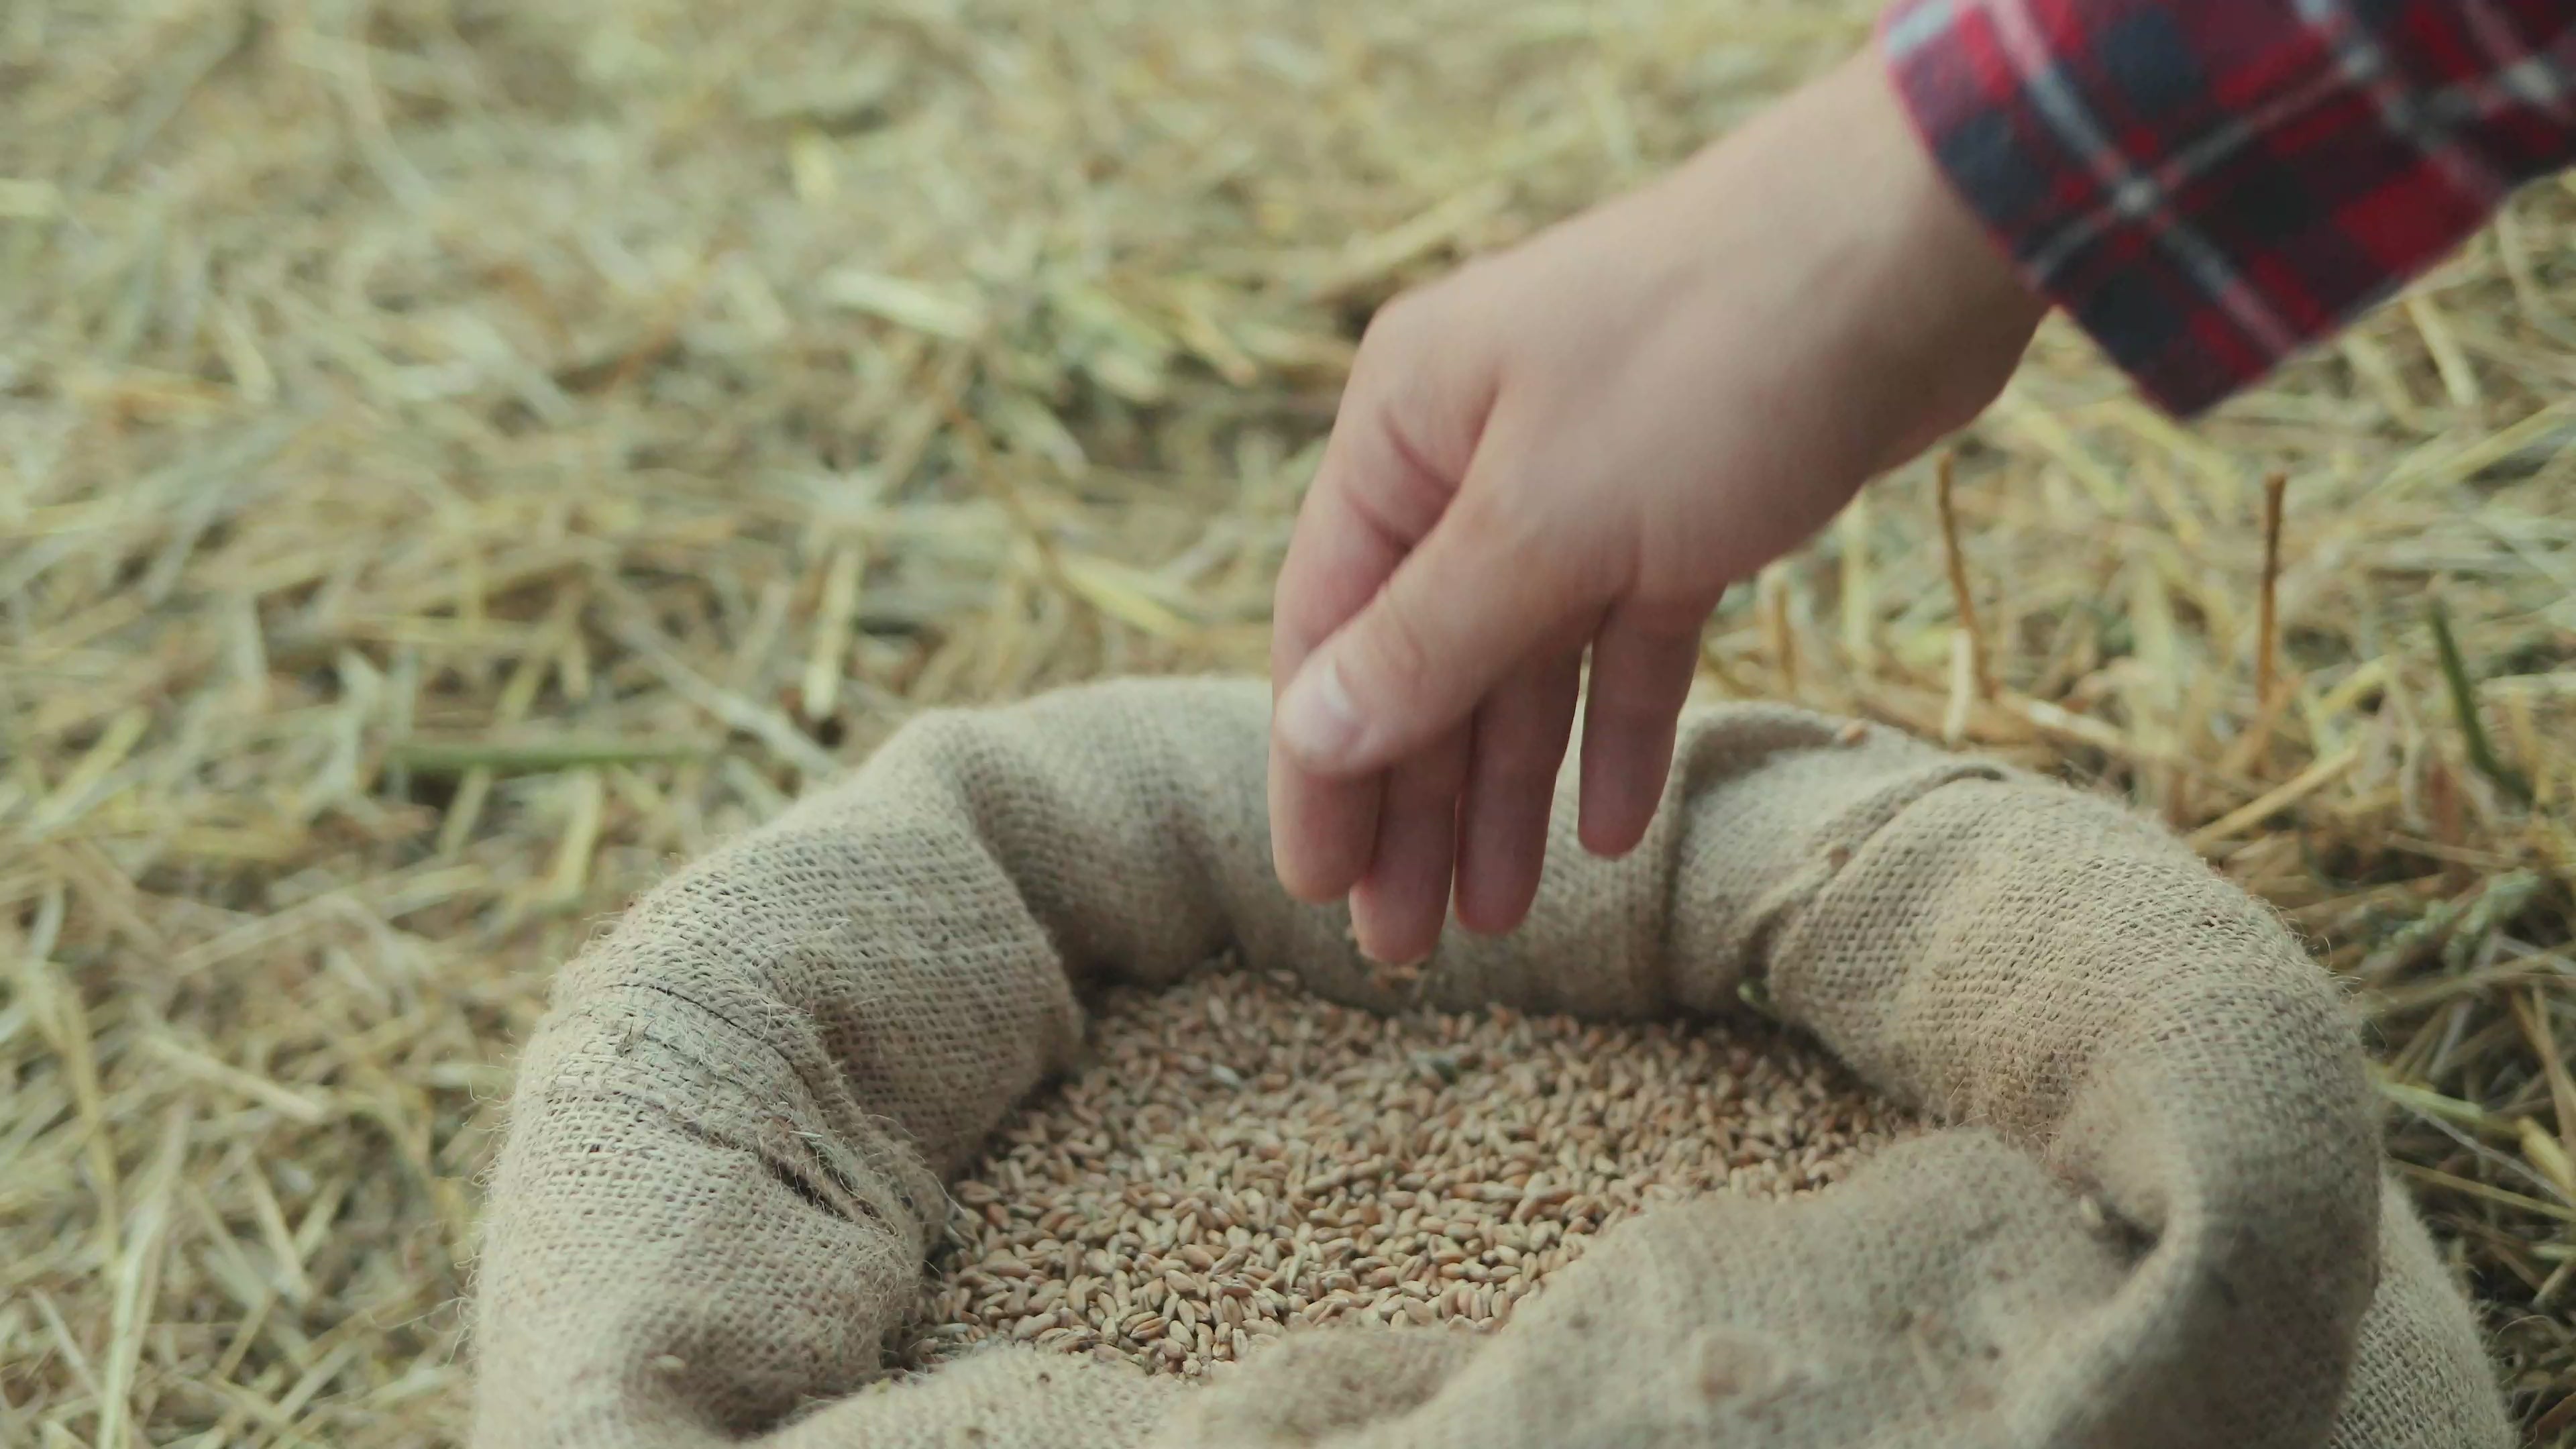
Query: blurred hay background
(458, 458)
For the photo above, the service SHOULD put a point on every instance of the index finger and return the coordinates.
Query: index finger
(1407, 428)
(1323, 831)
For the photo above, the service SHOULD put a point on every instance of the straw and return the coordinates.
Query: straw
(457, 461)
(2268, 627)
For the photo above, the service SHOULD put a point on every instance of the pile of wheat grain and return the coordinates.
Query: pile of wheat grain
(1237, 1158)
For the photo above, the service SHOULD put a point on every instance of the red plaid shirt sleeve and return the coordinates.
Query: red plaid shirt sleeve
(2207, 185)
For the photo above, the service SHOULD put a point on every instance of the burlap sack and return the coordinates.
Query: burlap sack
(2160, 1219)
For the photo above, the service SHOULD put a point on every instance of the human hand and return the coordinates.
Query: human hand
(1577, 445)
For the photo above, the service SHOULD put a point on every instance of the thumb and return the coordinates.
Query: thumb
(1480, 593)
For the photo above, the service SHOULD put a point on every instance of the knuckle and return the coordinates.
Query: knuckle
(1521, 740)
(1406, 500)
(1440, 772)
(1526, 540)
(1668, 618)
(1504, 525)
(1397, 321)
(1396, 654)
(1409, 345)
(1626, 711)
(1636, 732)
(1518, 758)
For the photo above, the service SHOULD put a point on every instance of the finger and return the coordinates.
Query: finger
(1402, 440)
(1398, 908)
(1642, 663)
(1323, 832)
(1457, 615)
(1404, 437)
(1323, 829)
(1519, 742)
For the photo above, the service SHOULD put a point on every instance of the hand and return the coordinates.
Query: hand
(1579, 444)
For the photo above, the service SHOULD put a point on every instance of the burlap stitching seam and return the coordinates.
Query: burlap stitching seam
(848, 1203)
(897, 1141)
(1841, 838)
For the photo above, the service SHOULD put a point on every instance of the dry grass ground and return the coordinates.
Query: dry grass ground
(457, 457)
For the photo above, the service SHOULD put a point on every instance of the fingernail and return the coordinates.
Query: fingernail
(1316, 719)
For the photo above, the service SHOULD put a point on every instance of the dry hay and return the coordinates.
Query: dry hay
(1236, 1159)
(456, 458)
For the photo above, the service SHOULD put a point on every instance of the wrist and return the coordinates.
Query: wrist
(1936, 305)
(1826, 226)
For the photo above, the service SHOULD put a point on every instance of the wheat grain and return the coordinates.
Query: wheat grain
(1237, 1159)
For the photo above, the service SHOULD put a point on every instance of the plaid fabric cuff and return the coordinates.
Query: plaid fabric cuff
(2207, 185)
